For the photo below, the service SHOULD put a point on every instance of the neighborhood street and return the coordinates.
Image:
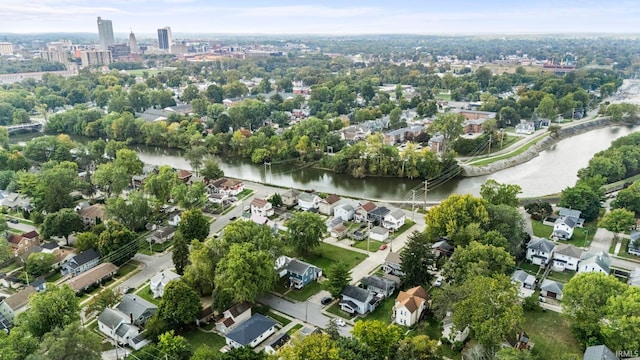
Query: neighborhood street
(22, 227)
(150, 266)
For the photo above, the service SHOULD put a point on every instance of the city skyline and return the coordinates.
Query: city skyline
(324, 17)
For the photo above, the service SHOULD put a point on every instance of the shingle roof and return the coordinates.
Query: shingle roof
(19, 299)
(134, 304)
(332, 199)
(378, 282)
(355, 292)
(92, 276)
(93, 211)
(394, 258)
(397, 214)
(86, 256)
(31, 234)
(112, 318)
(568, 250)
(259, 203)
(413, 298)
(238, 309)
(380, 211)
(600, 352)
(601, 259)
(379, 230)
(249, 330)
(307, 197)
(550, 285)
(123, 329)
(569, 212)
(369, 206)
(50, 245)
(297, 267)
(541, 244)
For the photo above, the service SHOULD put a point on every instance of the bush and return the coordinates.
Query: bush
(531, 303)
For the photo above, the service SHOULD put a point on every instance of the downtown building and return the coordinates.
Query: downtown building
(165, 39)
(105, 33)
(95, 58)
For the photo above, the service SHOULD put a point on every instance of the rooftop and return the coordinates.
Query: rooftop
(249, 330)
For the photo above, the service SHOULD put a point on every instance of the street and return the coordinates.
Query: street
(22, 227)
(151, 266)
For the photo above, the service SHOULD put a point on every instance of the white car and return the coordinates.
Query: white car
(340, 322)
(438, 281)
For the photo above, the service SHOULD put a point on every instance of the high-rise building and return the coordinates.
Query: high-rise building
(105, 32)
(133, 44)
(95, 58)
(6, 48)
(55, 56)
(164, 38)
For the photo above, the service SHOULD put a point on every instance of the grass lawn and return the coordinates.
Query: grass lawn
(528, 267)
(306, 292)
(139, 72)
(10, 267)
(407, 224)
(335, 310)
(374, 245)
(540, 229)
(127, 268)
(508, 155)
(199, 338)
(282, 320)
(562, 277)
(551, 334)
(146, 294)
(53, 277)
(383, 311)
(624, 251)
(326, 254)
(244, 194)
(294, 329)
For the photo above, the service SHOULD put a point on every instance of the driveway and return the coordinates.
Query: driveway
(308, 311)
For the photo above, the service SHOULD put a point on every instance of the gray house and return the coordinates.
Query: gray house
(81, 262)
(251, 332)
(378, 285)
(540, 251)
(551, 289)
(357, 300)
(393, 264)
(137, 308)
(299, 272)
(599, 352)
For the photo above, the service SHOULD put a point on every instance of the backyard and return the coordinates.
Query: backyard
(383, 311)
(562, 277)
(551, 335)
(581, 236)
(326, 254)
(197, 338)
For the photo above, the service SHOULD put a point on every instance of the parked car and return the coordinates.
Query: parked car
(326, 300)
(438, 281)
(233, 218)
(13, 221)
(383, 247)
(340, 322)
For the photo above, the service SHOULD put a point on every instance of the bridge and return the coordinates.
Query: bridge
(35, 126)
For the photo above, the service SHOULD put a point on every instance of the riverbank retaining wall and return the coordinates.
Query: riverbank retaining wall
(533, 151)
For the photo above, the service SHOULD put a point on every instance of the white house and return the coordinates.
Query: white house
(344, 212)
(393, 264)
(394, 220)
(634, 243)
(568, 220)
(251, 332)
(16, 303)
(379, 233)
(233, 317)
(523, 279)
(379, 286)
(308, 201)
(356, 300)
(448, 333)
(600, 262)
(175, 220)
(327, 204)
(117, 326)
(261, 207)
(566, 257)
(410, 305)
(525, 127)
(160, 280)
(540, 251)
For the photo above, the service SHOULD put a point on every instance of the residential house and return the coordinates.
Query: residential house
(410, 306)
(333, 222)
(81, 262)
(378, 233)
(448, 333)
(339, 231)
(120, 328)
(225, 186)
(404, 134)
(436, 143)
(567, 221)
(356, 300)
(379, 286)
(234, 316)
(551, 289)
(599, 352)
(525, 127)
(474, 120)
(136, 308)
(92, 215)
(92, 277)
(161, 235)
(24, 244)
(600, 262)
(308, 201)
(566, 257)
(634, 277)
(524, 279)
(299, 272)
(160, 280)
(442, 248)
(393, 264)
(261, 207)
(290, 197)
(184, 175)
(634, 243)
(344, 212)
(16, 303)
(174, 220)
(50, 247)
(14, 201)
(251, 332)
(327, 204)
(540, 251)
(394, 220)
(262, 220)
(377, 215)
(362, 212)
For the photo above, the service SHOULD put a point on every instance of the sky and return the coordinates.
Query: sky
(324, 16)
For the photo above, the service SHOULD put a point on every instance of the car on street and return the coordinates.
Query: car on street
(233, 218)
(13, 221)
(326, 300)
(340, 322)
(383, 247)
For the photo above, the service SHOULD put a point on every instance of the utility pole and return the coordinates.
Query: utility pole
(489, 151)
(501, 137)
(426, 186)
(413, 204)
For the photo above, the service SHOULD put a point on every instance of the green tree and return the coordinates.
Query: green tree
(276, 200)
(73, 342)
(190, 197)
(489, 308)
(509, 222)
(180, 255)
(305, 231)
(180, 304)
(617, 221)
(4, 137)
(107, 297)
(86, 240)
(246, 272)
(111, 178)
(160, 184)
(417, 256)
(514, 354)
(201, 271)
(584, 301)
(339, 276)
(190, 92)
(196, 156)
(628, 198)
(621, 324)
(211, 170)
(453, 214)
(62, 223)
(174, 346)
(383, 339)
(262, 237)
(128, 159)
(54, 185)
(582, 197)
(477, 260)
(39, 263)
(18, 344)
(449, 125)
(193, 225)
(547, 108)
(53, 308)
(312, 347)
(134, 213)
(539, 209)
(419, 347)
(117, 243)
(495, 193)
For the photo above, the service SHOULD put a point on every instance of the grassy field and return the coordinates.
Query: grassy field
(139, 72)
(624, 251)
(383, 311)
(127, 269)
(551, 334)
(528, 267)
(306, 292)
(407, 225)
(562, 277)
(508, 155)
(335, 310)
(373, 245)
(146, 294)
(541, 230)
(199, 338)
(326, 254)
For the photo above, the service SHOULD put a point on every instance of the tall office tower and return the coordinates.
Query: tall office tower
(133, 44)
(164, 38)
(105, 32)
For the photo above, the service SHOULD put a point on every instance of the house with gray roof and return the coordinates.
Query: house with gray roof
(540, 251)
(568, 220)
(251, 332)
(160, 280)
(81, 262)
(377, 215)
(393, 264)
(118, 327)
(299, 272)
(378, 285)
(138, 309)
(599, 352)
(634, 243)
(356, 300)
(308, 201)
(524, 279)
(344, 211)
(394, 220)
(566, 257)
(161, 235)
(600, 262)
(551, 289)
(16, 303)
(379, 233)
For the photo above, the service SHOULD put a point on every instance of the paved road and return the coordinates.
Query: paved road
(602, 242)
(151, 266)
(22, 227)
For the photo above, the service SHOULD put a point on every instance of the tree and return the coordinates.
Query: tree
(617, 221)
(134, 212)
(180, 304)
(477, 260)
(383, 339)
(189, 197)
(419, 347)
(107, 297)
(496, 193)
(332, 329)
(417, 256)
(86, 240)
(262, 237)
(180, 255)
(128, 159)
(489, 308)
(203, 261)
(117, 243)
(305, 231)
(628, 198)
(73, 342)
(539, 209)
(55, 307)
(39, 263)
(509, 222)
(111, 178)
(584, 301)
(453, 214)
(621, 324)
(193, 225)
(547, 108)
(582, 197)
(211, 170)
(54, 185)
(276, 200)
(246, 272)
(312, 347)
(195, 157)
(339, 276)
(161, 183)
(62, 223)
(449, 125)
(17, 344)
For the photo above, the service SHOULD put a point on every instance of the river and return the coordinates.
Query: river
(550, 172)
